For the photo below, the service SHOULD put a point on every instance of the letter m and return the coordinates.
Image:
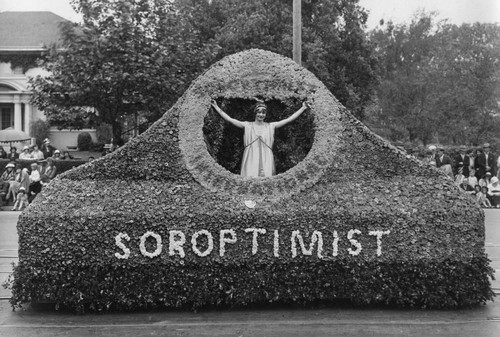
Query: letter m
(315, 237)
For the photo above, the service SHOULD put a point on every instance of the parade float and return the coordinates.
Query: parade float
(166, 221)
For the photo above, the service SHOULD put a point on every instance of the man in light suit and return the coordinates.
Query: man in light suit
(485, 162)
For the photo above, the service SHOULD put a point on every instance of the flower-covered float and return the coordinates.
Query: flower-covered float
(165, 222)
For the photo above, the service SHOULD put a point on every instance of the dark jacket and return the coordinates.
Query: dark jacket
(446, 161)
(461, 163)
(480, 165)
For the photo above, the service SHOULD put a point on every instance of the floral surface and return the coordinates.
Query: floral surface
(158, 223)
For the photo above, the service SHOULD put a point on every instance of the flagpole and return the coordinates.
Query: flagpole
(297, 31)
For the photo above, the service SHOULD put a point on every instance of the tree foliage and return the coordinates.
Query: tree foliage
(439, 82)
(126, 57)
(334, 44)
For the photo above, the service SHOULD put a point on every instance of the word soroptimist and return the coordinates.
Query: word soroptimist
(253, 241)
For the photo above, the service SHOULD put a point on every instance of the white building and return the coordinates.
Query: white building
(23, 37)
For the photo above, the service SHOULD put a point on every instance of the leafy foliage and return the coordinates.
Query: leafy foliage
(126, 57)
(165, 179)
(335, 47)
(438, 81)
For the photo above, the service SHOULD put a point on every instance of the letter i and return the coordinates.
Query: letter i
(276, 243)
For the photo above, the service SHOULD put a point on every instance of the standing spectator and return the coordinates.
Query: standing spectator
(3, 154)
(34, 187)
(461, 161)
(47, 148)
(26, 155)
(494, 192)
(486, 162)
(37, 154)
(13, 155)
(430, 158)
(443, 162)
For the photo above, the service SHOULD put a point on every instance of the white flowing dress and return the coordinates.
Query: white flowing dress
(258, 158)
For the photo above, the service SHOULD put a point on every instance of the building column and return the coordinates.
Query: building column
(27, 118)
(17, 117)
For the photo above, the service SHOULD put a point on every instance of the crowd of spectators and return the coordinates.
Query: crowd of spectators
(22, 185)
(475, 171)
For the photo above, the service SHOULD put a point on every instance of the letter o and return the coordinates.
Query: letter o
(210, 240)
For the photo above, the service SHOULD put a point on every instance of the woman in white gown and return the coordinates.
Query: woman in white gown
(258, 138)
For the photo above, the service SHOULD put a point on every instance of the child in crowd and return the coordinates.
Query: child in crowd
(472, 178)
(481, 198)
(21, 200)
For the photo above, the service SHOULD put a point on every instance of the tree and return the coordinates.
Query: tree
(438, 81)
(335, 47)
(125, 58)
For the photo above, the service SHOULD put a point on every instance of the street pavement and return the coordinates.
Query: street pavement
(342, 320)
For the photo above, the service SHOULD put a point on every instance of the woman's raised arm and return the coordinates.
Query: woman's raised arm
(296, 114)
(226, 117)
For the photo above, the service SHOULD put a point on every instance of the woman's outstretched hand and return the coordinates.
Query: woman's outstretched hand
(306, 105)
(214, 103)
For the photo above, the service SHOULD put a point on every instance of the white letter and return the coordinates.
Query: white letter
(159, 246)
(316, 236)
(224, 240)
(174, 245)
(379, 234)
(119, 243)
(256, 232)
(210, 240)
(355, 243)
(276, 247)
(335, 243)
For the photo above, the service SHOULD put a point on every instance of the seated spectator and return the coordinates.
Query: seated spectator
(21, 200)
(3, 154)
(8, 177)
(459, 177)
(47, 149)
(13, 155)
(26, 155)
(485, 181)
(37, 154)
(4, 190)
(57, 155)
(472, 178)
(22, 180)
(494, 192)
(466, 187)
(66, 155)
(49, 171)
(430, 158)
(481, 197)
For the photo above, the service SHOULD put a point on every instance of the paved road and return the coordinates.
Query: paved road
(344, 321)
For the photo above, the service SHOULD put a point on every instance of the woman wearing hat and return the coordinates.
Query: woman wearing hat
(8, 176)
(258, 138)
(26, 155)
(13, 155)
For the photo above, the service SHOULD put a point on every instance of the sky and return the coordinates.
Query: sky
(399, 11)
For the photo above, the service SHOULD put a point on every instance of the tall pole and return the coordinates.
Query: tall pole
(297, 31)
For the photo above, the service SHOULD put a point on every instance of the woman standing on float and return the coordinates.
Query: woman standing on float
(258, 138)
